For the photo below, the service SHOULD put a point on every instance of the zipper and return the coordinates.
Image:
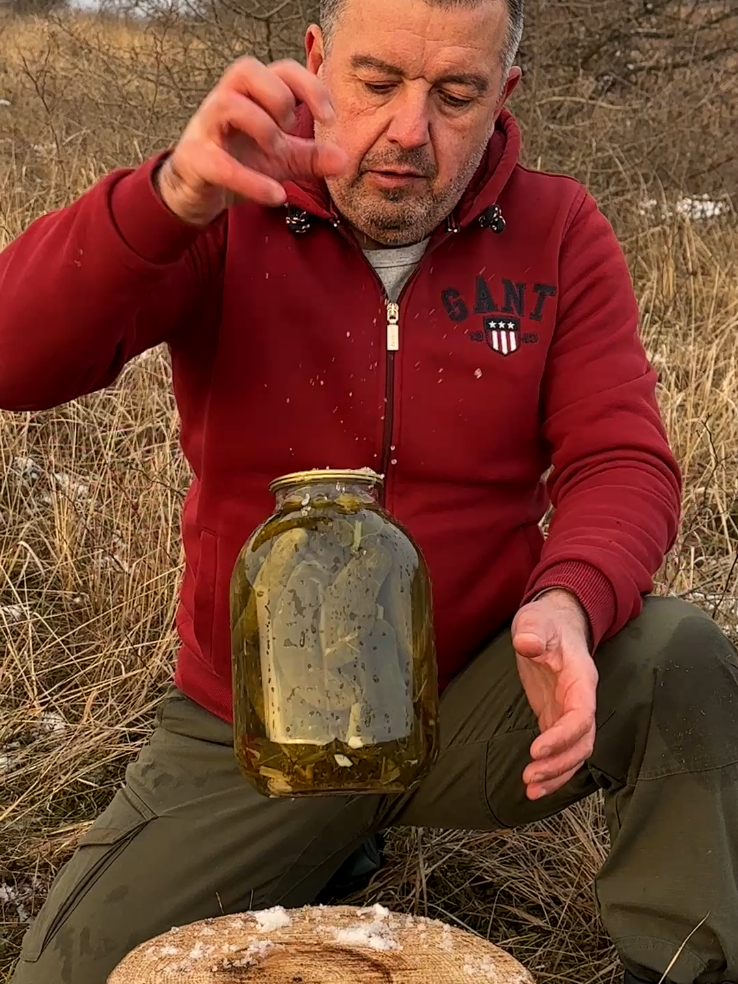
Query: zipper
(393, 346)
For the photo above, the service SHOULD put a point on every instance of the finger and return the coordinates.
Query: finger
(538, 791)
(565, 734)
(307, 87)
(229, 108)
(215, 166)
(559, 765)
(264, 85)
(306, 158)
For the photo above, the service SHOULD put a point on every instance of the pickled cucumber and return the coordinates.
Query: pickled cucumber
(333, 654)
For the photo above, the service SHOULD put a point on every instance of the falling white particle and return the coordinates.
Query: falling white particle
(355, 742)
(271, 919)
(343, 761)
(394, 461)
(348, 334)
(478, 373)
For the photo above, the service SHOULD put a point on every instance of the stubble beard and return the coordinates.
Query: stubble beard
(399, 217)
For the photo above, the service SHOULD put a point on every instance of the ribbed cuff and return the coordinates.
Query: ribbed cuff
(589, 586)
(143, 220)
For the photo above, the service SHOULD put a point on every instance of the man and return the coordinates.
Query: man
(388, 287)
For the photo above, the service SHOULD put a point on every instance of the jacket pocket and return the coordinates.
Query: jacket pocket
(204, 601)
(111, 833)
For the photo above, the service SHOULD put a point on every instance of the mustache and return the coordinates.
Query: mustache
(416, 160)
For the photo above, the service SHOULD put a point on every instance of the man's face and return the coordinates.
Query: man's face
(417, 90)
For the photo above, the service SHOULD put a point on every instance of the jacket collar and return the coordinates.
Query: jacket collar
(500, 160)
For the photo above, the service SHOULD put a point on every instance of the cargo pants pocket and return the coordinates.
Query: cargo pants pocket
(125, 817)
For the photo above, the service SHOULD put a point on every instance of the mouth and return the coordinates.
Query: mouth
(396, 177)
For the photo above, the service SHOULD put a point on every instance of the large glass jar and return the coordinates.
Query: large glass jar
(334, 666)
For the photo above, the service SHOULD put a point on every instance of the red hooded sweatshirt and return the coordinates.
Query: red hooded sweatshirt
(518, 350)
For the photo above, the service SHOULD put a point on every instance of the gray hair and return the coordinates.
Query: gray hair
(331, 9)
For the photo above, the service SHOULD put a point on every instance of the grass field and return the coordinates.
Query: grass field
(90, 493)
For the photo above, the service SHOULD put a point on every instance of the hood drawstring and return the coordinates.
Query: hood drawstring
(298, 220)
(492, 218)
(451, 224)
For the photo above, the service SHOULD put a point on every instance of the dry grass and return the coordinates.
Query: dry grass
(90, 493)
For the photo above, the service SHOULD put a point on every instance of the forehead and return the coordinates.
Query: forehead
(422, 38)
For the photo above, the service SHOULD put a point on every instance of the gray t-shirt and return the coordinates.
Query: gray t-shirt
(395, 266)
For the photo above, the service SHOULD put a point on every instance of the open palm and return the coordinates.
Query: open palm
(560, 680)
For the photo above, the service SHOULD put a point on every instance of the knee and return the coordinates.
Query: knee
(672, 640)
(673, 675)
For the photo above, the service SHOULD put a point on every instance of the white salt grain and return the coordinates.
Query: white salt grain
(271, 919)
(372, 936)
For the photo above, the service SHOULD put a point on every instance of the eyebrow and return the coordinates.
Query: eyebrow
(472, 79)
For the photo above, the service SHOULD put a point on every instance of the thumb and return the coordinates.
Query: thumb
(530, 633)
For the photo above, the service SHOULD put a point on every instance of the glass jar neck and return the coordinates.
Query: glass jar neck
(305, 491)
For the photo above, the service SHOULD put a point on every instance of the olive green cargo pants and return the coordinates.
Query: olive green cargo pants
(187, 835)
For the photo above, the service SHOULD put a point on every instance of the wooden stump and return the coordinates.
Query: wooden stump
(319, 945)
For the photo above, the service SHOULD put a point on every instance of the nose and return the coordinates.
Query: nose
(410, 123)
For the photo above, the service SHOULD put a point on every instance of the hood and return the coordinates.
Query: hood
(500, 160)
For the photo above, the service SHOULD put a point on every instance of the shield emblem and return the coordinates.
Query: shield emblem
(502, 334)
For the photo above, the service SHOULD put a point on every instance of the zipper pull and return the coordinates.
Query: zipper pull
(393, 327)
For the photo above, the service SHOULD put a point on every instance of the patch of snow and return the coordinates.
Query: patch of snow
(256, 952)
(344, 761)
(73, 488)
(697, 209)
(51, 723)
(9, 756)
(375, 935)
(4, 102)
(271, 919)
(29, 469)
(10, 895)
(14, 613)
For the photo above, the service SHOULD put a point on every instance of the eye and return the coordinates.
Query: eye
(455, 102)
(380, 88)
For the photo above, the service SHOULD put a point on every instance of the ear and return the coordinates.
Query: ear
(511, 85)
(314, 49)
